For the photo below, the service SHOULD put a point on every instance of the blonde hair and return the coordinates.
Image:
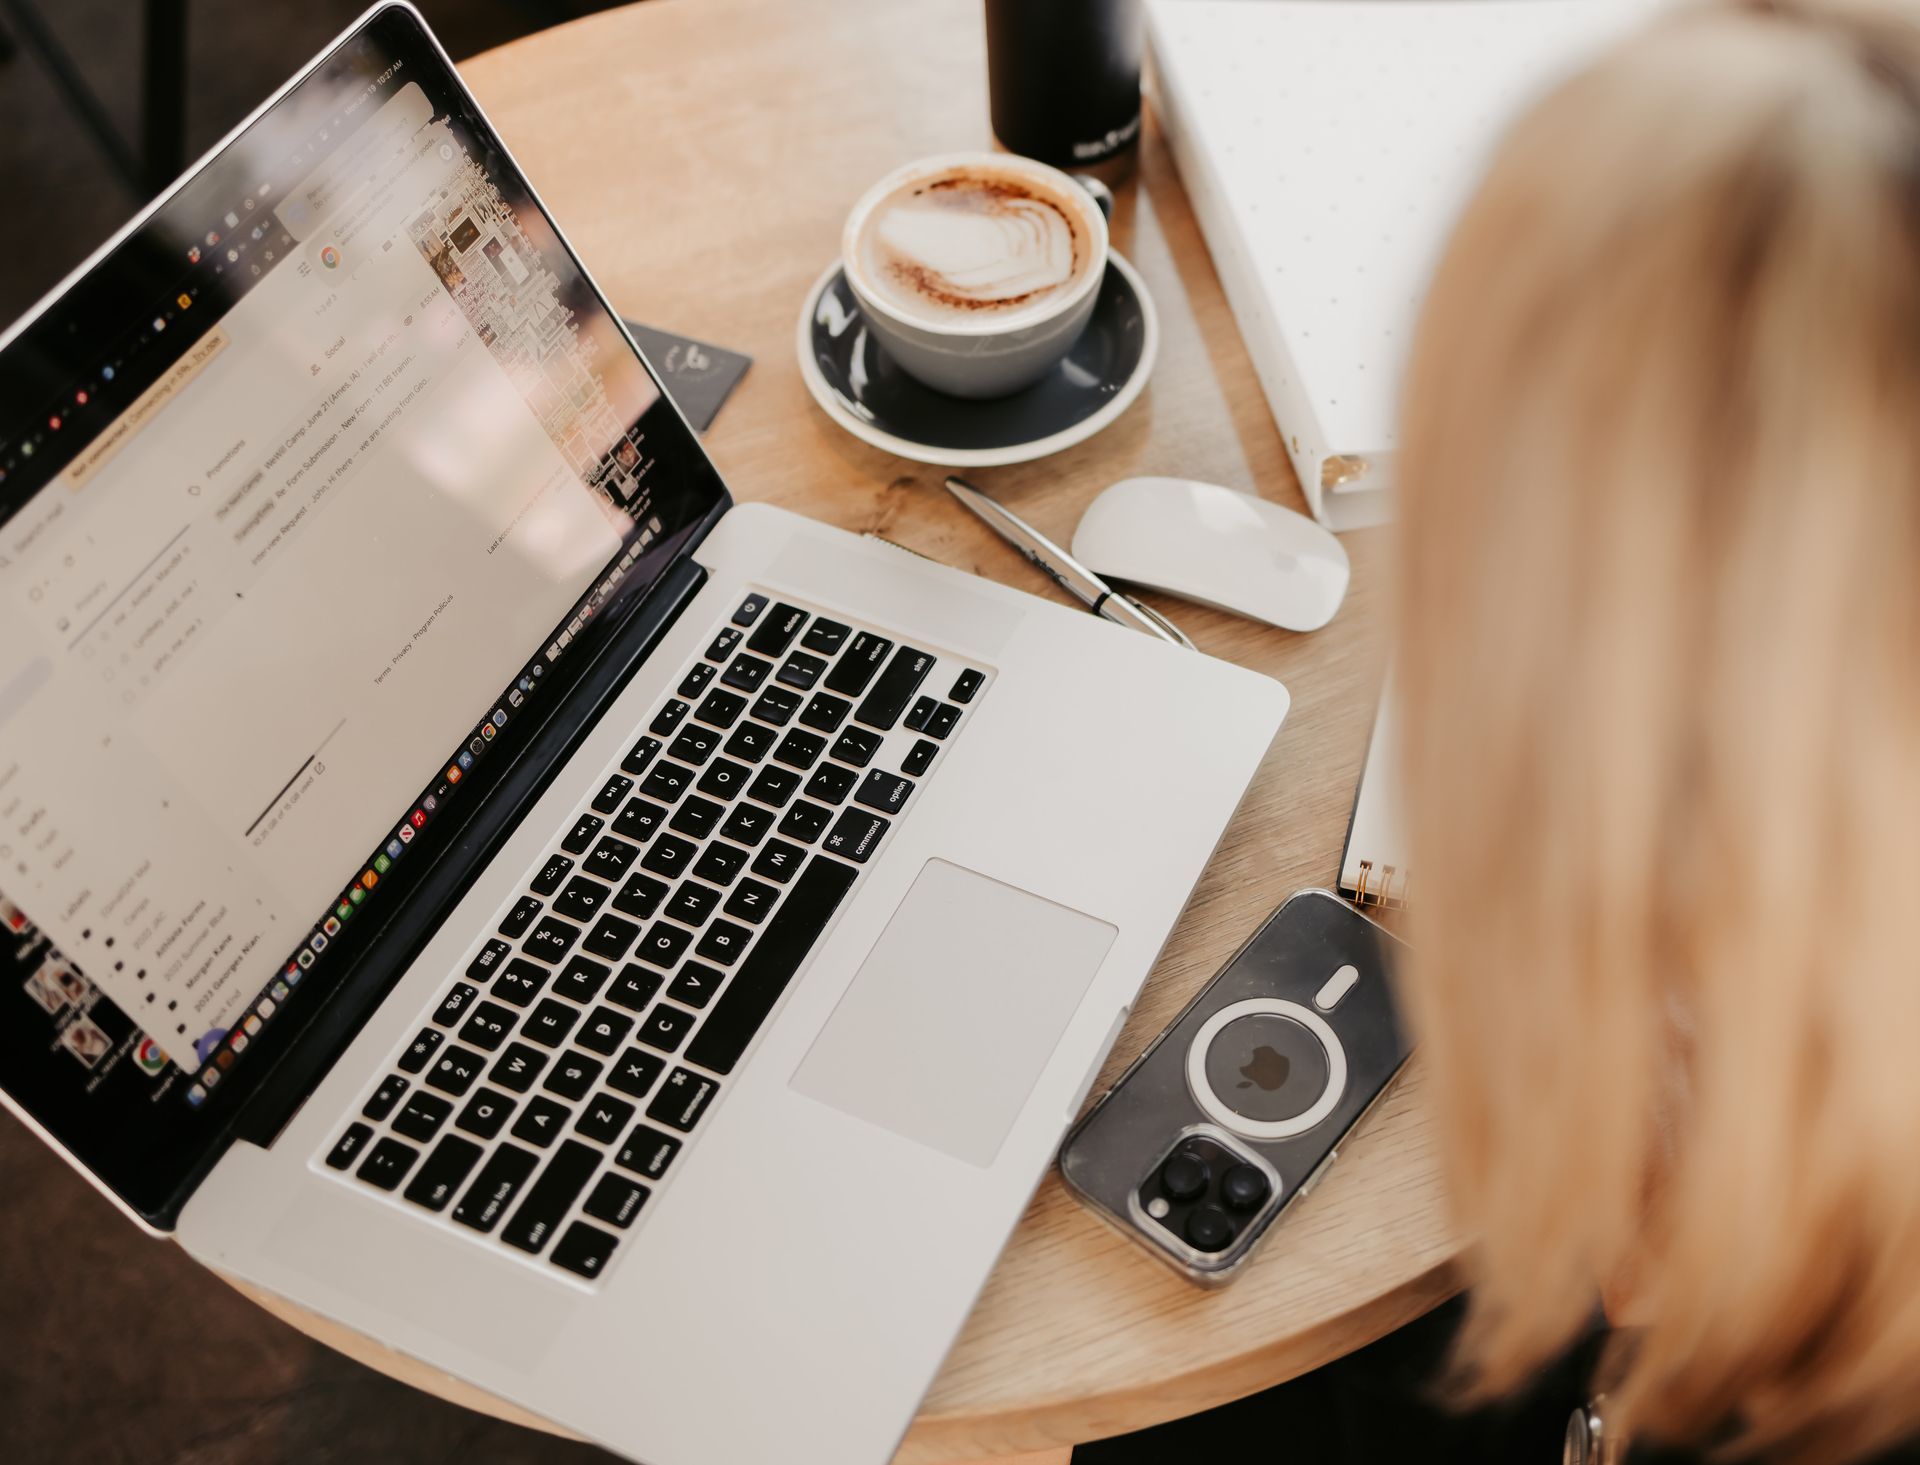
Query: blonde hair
(1659, 656)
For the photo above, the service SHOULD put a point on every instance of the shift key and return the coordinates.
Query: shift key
(552, 1195)
(895, 689)
(857, 664)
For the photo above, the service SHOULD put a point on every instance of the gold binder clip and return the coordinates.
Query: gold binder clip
(1360, 890)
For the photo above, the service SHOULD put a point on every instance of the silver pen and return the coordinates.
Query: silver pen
(1063, 569)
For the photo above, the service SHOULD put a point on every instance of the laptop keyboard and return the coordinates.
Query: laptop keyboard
(555, 1082)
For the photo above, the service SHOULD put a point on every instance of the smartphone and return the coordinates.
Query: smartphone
(1238, 1109)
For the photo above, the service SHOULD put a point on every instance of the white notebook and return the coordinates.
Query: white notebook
(1327, 146)
(1373, 867)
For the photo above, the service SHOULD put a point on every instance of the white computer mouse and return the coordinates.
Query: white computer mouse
(1226, 549)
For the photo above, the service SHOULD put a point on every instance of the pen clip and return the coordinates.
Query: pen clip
(1173, 632)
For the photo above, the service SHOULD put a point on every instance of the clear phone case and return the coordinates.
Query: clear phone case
(1237, 1110)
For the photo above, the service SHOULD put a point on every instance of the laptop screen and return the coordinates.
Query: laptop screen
(313, 491)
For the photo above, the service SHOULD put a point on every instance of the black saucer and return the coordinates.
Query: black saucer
(858, 385)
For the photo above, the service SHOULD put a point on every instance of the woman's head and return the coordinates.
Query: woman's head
(1659, 650)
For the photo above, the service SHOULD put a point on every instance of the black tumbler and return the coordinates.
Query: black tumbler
(1065, 78)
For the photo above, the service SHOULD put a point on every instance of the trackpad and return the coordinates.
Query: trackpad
(955, 1012)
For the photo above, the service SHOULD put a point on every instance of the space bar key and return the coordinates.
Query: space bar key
(783, 945)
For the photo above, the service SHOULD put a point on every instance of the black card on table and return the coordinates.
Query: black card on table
(699, 376)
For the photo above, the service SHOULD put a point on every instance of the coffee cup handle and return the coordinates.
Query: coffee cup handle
(1102, 195)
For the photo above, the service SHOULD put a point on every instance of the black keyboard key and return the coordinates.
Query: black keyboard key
(692, 903)
(857, 667)
(640, 896)
(611, 938)
(721, 709)
(696, 744)
(455, 1070)
(778, 860)
(776, 633)
(387, 1163)
(723, 942)
(669, 717)
(752, 900)
(855, 835)
(455, 1003)
(666, 783)
(541, 1121)
(493, 1190)
(640, 755)
(748, 824)
(581, 900)
(582, 980)
(831, 783)
(521, 916)
(351, 1143)
(550, 1022)
(422, 1117)
(895, 688)
(573, 1075)
(806, 821)
(966, 685)
(944, 718)
(720, 863)
(485, 1113)
(584, 1250)
(612, 794)
(774, 785)
(552, 1196)
(640, 818)
(886, 792)
(825, 636)
(610, 859)
(449, 1164)
(520, 983)
(825, 712)
(665, 944)
(517, 1067)
(582, 834)
(800, 749)
(548, 880)
(635, 1072)
(760, 979)
(723, 644)
(918, 714)
(696, 984)
(604, 1031)
(483, 966)
(670, 855)
(777, 706)
(856, 746)
(751, 741)
(697, 817)
(603, 1119)
(551, 940)
(750, 609)
(614, 1200)
(800, 670)
(420, 1050)
(695, 681)
(682, 1099)
(648, 1151)
(633, 989)
(746, 672)
(919, 758)
(724, 780)
(665, 1028)
(488, 1026)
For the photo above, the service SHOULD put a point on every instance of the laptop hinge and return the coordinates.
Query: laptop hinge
(280, 1096)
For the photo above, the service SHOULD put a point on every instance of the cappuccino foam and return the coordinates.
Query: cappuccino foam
(973, 243)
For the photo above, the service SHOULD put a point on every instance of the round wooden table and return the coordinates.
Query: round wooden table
(701, 155)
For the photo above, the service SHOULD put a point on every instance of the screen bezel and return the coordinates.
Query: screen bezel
(148, 1164)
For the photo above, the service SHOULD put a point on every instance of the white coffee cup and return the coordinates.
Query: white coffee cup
(976, 272)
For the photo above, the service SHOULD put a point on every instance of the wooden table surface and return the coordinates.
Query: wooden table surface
(701, 155)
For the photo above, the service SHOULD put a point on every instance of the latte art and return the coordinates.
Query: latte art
(973, 244)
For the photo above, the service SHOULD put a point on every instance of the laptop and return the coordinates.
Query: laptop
(463, 874)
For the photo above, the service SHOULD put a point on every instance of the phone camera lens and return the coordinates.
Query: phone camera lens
(1185, 1176)
(1243, 1187)
(1209, 1228)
